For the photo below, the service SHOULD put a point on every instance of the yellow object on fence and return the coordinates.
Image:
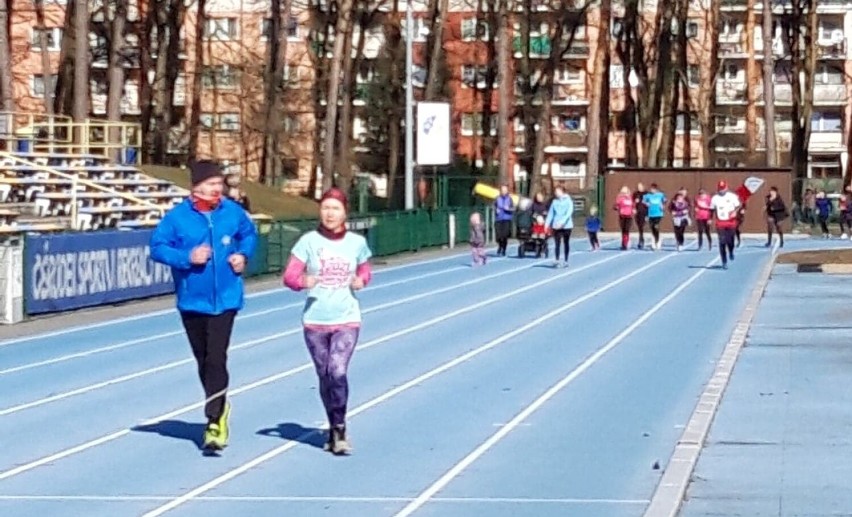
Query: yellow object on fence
(491, 193)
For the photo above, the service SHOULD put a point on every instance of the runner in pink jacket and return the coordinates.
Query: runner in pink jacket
(626, 210)
(703, 213)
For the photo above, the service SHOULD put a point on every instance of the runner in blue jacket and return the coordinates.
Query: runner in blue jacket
(560, 221)
(207, 240)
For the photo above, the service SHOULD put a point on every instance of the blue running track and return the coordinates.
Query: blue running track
(516, 389)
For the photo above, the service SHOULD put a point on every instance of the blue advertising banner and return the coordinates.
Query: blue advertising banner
(69, 271)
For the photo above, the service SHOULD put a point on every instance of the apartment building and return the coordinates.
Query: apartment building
(234, 55)
(739, 91)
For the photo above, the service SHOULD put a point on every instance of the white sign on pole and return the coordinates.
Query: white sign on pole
(433, 133)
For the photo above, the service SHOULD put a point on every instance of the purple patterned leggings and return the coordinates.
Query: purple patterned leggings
(331, 349)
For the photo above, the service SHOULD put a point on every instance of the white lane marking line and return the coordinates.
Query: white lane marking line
(468, 460)
(323, 499)
(670, 492)
(396, 391)
(257, 294)
(268, 380)
(146, 339)
(295, 330)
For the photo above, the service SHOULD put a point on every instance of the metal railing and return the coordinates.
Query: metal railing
(116, 140)
(76, 181)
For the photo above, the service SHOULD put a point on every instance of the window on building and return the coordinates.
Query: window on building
(292, 28)
(569, 122)
(229, 122)
(826, 122)
(221, 29)
(39, 84)
(219, 76)
(827, 74)
(474, 29)
(693, 75)
(693, 123)
(290, 168)
(54, 39)
(569, 74)
(472, 123)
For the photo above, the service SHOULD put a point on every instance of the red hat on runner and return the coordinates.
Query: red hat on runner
(723, 185)
(336, 193)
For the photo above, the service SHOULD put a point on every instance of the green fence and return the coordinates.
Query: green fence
(387, 233)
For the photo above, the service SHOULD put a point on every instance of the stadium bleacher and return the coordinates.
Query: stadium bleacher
(45, 188)
(60, 191)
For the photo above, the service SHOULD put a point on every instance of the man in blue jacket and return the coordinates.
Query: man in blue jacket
(207, 240)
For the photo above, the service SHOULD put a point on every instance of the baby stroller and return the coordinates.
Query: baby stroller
(531, 236)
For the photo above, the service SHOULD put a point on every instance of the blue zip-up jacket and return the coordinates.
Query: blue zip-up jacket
(503, 206)
(214, 287)
(593, 223)
(561, 213)
(823, 206)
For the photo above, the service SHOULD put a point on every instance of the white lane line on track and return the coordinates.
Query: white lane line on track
(293, 371)
(396, 391)
(257, 294)
(551, 392)
(322, 499)
(294, 330)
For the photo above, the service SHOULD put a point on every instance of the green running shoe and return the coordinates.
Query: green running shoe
(212, 437)
(224, 428)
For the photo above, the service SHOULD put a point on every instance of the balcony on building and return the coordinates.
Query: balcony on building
(778, 6)
(731, 92)
(129, 104)
(572, 46)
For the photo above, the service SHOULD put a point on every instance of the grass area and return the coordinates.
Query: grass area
(265, 200)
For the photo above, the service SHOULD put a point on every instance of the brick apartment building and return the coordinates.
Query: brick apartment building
(235, 39)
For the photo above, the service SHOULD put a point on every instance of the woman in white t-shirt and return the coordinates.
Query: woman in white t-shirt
(331, 263)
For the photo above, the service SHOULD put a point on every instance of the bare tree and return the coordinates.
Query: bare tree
(342, 34)
(769, 86)
(439, 10)
(43, 43)
(80, 109)
(5, 62)
(274, 84)
(799, 23)
(115, 67)
(506, 81)
(599, 107)
(197, 78)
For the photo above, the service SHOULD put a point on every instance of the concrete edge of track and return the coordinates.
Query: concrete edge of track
(671, 490)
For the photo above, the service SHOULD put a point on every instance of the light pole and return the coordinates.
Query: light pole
(409, 106)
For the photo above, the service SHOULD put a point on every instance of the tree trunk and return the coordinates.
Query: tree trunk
(751, 93)
(598, 120)
(80, 109)
(49, 91)
(394, 119)
(115, 72)
(275, 83)
(506, 94)
(5, 62)
(344, 153)
(662, 81)
(436, 54)
(64, 98)
(342, 32)
(769, 87)
(707, 92)
(685, 102)
(197, 80)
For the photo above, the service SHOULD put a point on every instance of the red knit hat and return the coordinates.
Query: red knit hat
(336, 193)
